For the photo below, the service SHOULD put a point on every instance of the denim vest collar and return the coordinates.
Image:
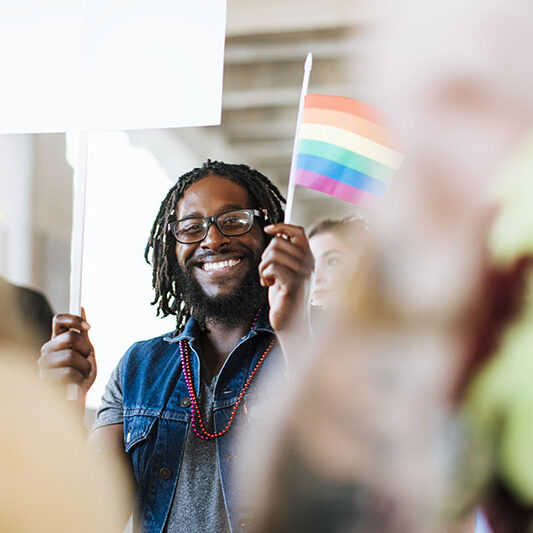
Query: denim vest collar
(192, 332)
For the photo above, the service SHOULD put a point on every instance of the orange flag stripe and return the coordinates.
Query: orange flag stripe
(341, 103)
(349, 122)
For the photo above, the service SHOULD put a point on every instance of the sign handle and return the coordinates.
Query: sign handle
(77, 238)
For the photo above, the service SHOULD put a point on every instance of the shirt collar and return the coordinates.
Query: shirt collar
(192, 330)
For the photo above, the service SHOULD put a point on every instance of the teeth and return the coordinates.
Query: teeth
(219, 265)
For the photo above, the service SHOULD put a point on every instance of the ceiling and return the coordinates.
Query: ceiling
(266, 47)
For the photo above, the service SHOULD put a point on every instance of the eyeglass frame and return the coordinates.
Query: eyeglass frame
(262, 213)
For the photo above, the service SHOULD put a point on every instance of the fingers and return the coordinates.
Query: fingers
(70, 374)
(69, 340)
(65, 322)
(276, 272)
(66, 359)
(279, 243)
(295, 234)
(92, 361)
(287, 258)
(297, 262)
(286, 253)
(281, 258)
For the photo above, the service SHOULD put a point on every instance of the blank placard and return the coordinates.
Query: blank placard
(110, 64)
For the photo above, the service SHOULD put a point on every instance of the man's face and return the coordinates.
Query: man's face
(229, 260)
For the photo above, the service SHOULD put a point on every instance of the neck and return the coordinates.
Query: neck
(219, 339)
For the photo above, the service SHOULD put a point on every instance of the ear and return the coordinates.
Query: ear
(265, 215)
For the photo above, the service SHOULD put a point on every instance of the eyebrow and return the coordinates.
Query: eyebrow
(224, 209)
(331, 252)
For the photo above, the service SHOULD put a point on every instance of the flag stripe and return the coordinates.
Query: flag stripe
(346, 121)
(346, 175)
(347, 158)
(340, 190)
(352, 142)
(340, 103)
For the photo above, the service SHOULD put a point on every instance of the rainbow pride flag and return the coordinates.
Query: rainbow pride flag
(344, 151)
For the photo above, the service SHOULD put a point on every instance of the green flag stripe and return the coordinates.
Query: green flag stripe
(348, 159)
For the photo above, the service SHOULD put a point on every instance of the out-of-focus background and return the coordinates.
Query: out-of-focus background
(130, 172)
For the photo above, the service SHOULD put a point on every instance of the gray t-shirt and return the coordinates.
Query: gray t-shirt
(198, 503)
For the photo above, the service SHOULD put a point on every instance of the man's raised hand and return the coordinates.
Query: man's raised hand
(68, 357)
(286, 268)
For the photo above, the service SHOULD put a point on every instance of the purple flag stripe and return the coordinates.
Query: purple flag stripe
(340, 190)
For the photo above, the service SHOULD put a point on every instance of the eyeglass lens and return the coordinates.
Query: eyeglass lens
(230, 224)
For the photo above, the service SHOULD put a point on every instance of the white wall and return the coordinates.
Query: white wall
(52, 212)
(35, 213)
(16, 189)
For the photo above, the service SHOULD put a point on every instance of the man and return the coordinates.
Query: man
(237, 279)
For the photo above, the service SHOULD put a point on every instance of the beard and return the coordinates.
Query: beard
(230, 309)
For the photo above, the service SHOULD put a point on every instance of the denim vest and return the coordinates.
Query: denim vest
(157, 413)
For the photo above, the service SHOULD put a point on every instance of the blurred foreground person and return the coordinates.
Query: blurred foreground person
(496, 386)
(48, 481)
(464, 109)
(416, 408)
(30, 309)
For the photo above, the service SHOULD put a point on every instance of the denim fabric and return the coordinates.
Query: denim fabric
(156, 422)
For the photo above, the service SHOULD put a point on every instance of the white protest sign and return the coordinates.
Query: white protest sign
(110, 64)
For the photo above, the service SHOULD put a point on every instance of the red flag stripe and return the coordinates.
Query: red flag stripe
(341, 103)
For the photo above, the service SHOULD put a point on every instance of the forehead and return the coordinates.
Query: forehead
(328, 241)
(212, 194)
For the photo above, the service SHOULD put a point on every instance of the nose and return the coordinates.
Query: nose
(319, 278)
(214, 240)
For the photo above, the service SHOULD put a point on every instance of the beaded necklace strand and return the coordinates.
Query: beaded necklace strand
(196, 416)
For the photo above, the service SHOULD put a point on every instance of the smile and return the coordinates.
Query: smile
(220, 265)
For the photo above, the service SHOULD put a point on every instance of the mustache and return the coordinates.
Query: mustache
(200, 257)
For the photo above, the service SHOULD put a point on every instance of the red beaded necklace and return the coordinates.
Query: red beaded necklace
(196, 416)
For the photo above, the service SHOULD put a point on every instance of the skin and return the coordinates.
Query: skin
(286, 268)
(207, 197)
(332, 257)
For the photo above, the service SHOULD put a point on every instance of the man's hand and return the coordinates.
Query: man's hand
(68, 357)
(286, 268)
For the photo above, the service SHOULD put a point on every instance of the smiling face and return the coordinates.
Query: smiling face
(333, 257)
(218, 267)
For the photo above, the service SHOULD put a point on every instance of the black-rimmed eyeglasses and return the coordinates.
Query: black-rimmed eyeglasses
(231, 224)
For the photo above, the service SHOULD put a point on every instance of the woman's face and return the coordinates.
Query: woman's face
(333, 257)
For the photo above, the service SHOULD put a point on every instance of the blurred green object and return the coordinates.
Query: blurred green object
(499, 401)
(512, 233)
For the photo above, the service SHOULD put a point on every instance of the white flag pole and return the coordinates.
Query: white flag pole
(305, 84)
(77, 237)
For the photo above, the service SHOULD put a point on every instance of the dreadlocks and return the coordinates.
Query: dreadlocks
(161, 243)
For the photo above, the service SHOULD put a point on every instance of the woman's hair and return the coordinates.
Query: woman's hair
(338, 225)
